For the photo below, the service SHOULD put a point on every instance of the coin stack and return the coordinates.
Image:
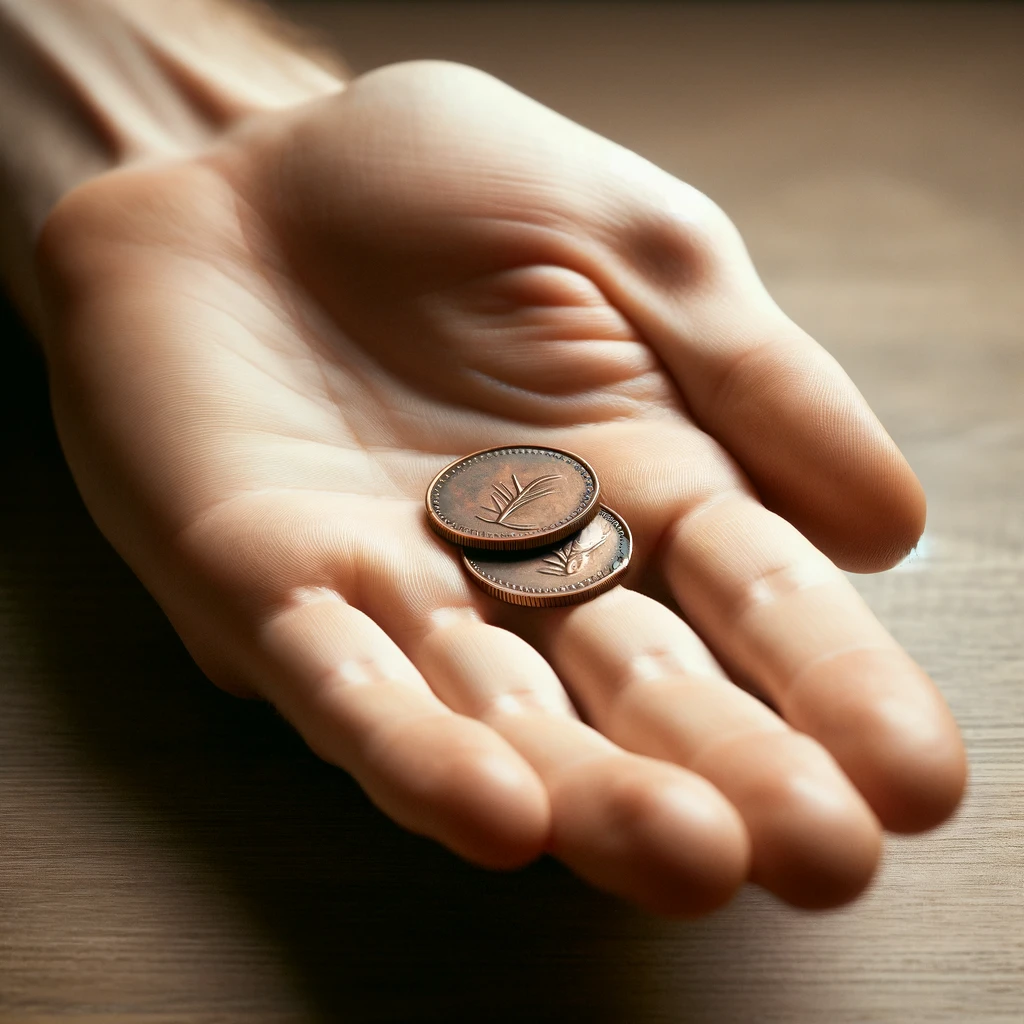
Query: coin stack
(530, 524)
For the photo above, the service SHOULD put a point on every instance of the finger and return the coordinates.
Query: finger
(360, 703)
(642, 829)
(779, 611)
(645, 680)
(779, 403)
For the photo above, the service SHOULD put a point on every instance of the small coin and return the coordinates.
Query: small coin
(578, 568)
(512, 498)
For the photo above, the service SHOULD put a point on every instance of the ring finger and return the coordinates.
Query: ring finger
(633, 825)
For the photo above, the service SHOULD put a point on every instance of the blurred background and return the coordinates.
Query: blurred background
(170, 854)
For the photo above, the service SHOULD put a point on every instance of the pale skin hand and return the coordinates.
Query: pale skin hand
(261, 355)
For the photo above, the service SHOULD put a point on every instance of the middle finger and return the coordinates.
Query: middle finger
(645, 680)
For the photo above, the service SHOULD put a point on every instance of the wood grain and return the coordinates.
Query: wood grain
(168, 854)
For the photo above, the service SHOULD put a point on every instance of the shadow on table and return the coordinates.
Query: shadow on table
(378, 925)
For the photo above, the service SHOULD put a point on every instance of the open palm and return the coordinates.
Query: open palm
(262, 354)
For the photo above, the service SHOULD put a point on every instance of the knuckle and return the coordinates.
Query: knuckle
(632, 802)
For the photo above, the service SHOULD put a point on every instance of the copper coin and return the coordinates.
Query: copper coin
(582, 566)
(512, 498)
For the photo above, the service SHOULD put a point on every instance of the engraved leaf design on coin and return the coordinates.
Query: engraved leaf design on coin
(571, 558)
(508, 500)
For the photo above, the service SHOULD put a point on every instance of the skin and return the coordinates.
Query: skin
(262, 351)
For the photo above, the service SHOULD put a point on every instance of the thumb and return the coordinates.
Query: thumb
(770, 394)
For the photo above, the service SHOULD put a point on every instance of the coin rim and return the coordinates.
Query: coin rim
(560, 599)
(516, 543)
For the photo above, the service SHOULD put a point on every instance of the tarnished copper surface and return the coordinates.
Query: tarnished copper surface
(576, 569)
(512, 498)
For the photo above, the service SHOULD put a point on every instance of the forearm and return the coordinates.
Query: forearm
(89, 85)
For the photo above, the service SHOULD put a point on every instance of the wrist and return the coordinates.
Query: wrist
(228, 58)
(87, 86)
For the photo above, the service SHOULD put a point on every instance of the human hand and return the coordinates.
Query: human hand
(261, 355)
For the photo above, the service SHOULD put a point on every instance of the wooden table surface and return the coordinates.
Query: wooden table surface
(168, 854)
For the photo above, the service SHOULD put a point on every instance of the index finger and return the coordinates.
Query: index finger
(786, 617)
